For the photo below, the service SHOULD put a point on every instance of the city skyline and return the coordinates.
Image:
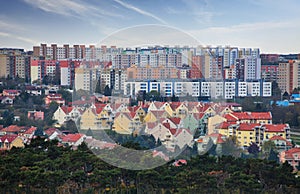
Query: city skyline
(269, 25)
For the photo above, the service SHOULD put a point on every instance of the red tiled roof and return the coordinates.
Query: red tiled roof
(173, 131)
(278, 137)
(289, 154)
(230, 118)
(67, 109)
(50, 131)
(175, 105)
(241, 115)
(167, 125)
(11, 91)
(132, 114)
(72, 137)
(175, 120)
(261, 115)
(247, 126)
(183, 130)
(220, 140)
(158, 104)
(31, 130)
(158, 113)
(10, 138)
(275, 128)
(11, 129)
(225, 125)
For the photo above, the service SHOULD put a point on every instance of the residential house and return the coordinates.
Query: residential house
(9, 141)
(28, 134)
(281, 143)
(11, 93)
(261, 117)
(271, 130)
(164, 133)
(123, 123)
(183, 137)
(246, 133)
(88, 120)
(179, 109)
(191, 121)
(213, 122)
(155, 115)
(35, 115)
(6, 100)
(73, 139)
(12, 129)
(292, 156)
(53, 133)
(53, 97)
(205, 143)
(33, 90)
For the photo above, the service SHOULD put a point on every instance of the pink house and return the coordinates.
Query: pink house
(291, 156)
(54, 98)
(35, 115)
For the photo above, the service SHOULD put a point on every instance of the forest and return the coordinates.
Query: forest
(43, 167)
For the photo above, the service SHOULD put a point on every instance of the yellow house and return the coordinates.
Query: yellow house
(261, 117)
(271, 130)
(123, 123)
(246, 133)
(213, 122)
(155, 115)
(9, 141)
(102, 119)
(180, 111)
(204, 108)
(167, 107)
(242, 117)
(89, 120)
(138, 112)
(222, 110)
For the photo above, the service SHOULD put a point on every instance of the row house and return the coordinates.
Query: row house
(248, 133)
(66, 113)
(169, 136)
(9, 141)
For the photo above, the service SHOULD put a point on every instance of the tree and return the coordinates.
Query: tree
(65, 95)
(267, 146)
(98, 87)
(230, 147)
(107, 91)
(253, 149)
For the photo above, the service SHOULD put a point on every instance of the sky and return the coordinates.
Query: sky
(271, 25)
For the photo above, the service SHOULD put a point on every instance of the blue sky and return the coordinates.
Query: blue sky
(271, 25)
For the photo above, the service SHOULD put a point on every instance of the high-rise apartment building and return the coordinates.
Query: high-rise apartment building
(288, 75)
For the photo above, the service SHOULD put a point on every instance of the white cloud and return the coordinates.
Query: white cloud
(271, 36)
(70, 8)
(140, 11)
(21, 38)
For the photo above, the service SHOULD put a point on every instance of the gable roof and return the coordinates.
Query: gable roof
(8, 138)
(247, 126)
(175, 120)
(261, 115)
(67, 109)
(278, 137)
(289, 154)
(31, 130)
(72, 137)
(275, 128)
(11, 129)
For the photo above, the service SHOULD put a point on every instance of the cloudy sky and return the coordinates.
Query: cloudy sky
(271, 25)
